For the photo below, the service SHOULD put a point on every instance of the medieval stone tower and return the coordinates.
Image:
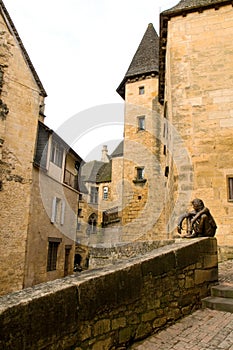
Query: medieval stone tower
(196, 90)
(178, 121)
(142, 172)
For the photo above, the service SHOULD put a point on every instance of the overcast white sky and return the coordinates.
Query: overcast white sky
(81, 49)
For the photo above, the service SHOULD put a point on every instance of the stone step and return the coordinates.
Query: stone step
(224, 291)
(218, 303)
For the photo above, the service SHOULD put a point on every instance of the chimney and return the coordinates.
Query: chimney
(105, 157)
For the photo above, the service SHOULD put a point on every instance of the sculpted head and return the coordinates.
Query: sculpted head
(197, 204)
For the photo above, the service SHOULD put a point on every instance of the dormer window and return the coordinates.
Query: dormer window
(141, 90)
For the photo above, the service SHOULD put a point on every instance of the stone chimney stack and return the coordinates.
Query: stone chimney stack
(105, 157)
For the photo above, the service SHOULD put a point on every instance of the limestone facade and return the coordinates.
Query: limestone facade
(143, 198)
(21, 98)
(101, 203)
(199, 103)
(39, 197)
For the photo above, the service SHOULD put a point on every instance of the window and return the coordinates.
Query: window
(94, 195)
(58, 211)
(141, 90)
(105, 192)
(140, 175)
(70, 179)
(56, 155)
(92, 223)
(52, 253)
(230, 188)
(78, 226)
(141, 123)
(80, 212)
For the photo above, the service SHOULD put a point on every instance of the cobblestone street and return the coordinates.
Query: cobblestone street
(204, 329)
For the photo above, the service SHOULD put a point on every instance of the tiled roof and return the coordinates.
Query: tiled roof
(181, 9)
(90, 170)
(187, 5)
(145, 60)
(118, 152)
(25, 54)
(96, 172)
(105, 173)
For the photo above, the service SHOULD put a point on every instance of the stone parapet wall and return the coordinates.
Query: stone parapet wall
(113, 306)
(104, 255)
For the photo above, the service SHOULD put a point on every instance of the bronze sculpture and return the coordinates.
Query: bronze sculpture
(199, 222)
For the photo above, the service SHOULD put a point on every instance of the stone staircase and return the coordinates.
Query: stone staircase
(221, 298)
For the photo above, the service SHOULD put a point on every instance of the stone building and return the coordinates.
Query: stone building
(39, 197)
(101, 204)
(179, 121)
(196, 92)
(143, 173)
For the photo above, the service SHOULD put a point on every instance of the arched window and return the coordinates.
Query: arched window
(92, 223)
(105, 192)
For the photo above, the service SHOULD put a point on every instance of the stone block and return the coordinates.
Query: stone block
(206, 276)
(208, 246)
(159, 265)
(125, 334)
(159, 322)
(102, 344)
(101, 327)
(148, 316)
(189, 282)
(210, 261)
(187, 255)
(118, 323)
(143, 330)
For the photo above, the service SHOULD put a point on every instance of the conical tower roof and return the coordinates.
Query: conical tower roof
(145, 60)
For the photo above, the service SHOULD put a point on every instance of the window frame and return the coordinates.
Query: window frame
(53, 246)
(56, 153)
(105, 192)
(94, 195)
(140, 173)
(58, 211)
(141, 126)
(230, 188)
(141, 90)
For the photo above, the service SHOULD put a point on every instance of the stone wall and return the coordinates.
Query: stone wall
(112, 306)
(20, 100)
(199, 97)
(40, 229)
(143, 201)
(103, 254)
